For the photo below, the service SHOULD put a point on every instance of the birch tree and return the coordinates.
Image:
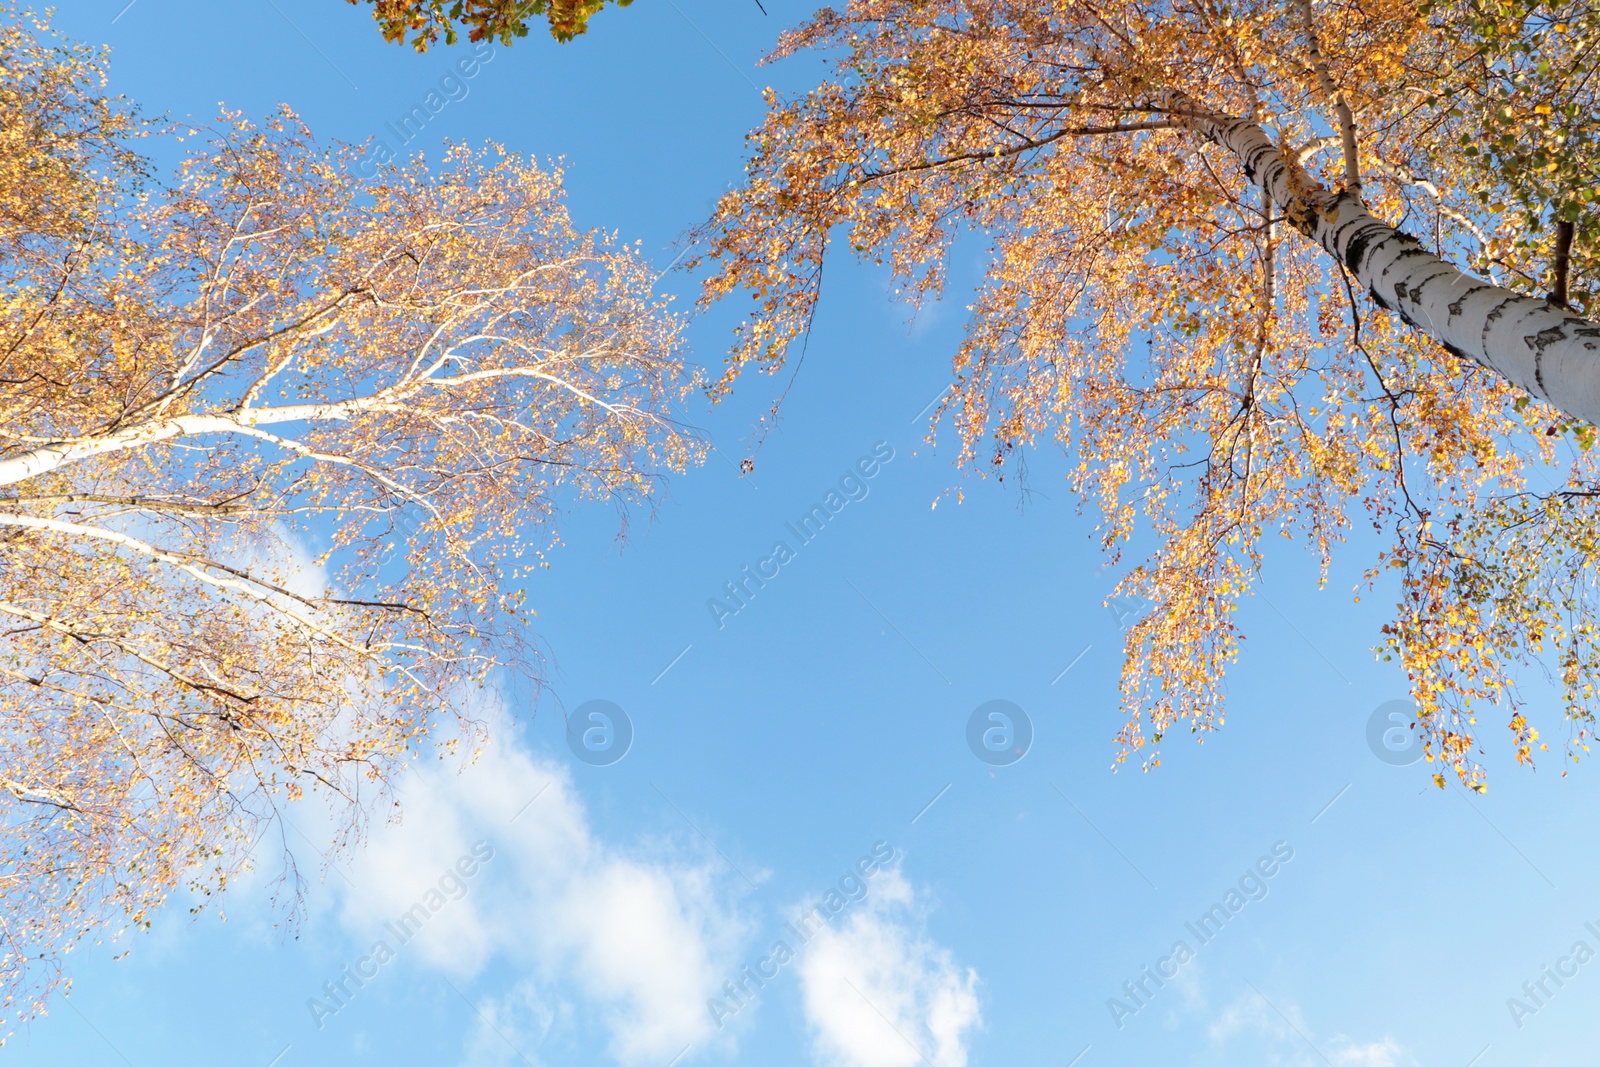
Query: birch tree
(1226, 249)
(275, 446)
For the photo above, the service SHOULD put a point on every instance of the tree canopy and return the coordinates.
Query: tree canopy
(425, 21)
(273, 444)
(273, 440)
(1222, 243)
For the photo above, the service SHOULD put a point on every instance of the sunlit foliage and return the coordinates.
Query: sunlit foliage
(275, 446)
(1145, 175)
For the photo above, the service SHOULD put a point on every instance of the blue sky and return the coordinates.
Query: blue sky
(772, 755)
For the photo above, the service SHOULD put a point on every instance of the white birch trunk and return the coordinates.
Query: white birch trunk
(46, 458)
(1549, 352)
(247, 420)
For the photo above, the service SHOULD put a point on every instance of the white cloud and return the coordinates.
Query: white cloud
(643, 933)
(509, 1026)
(1385, 1053)
(1292, 1040)
(878, 992)
(1191, 993)
(1250, 1014)
(635, 937)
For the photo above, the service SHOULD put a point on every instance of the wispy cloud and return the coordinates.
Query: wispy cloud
(879, 992)
(508, 1026)
(1280, 1025)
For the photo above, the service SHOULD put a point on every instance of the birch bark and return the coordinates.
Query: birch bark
(1542, 348)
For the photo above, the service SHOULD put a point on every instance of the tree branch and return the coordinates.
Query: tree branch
(1553, 355)
(1011, 150)
(1563, 262)
(1347, 121)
